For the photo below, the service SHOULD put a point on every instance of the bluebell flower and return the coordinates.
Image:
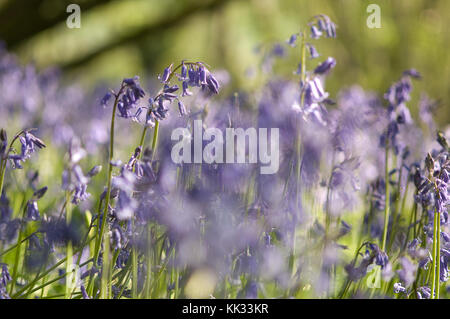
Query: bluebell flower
(292, 40)
(95, 170)
(29, 143)
(5, 277)
(166, 74)
(186, 91)
(278, 50)
(130, 97)
(3, 293)
(84, 293)
(194, 79)
(407, 273)
(381, 258)
(170, 89)
(80, 194)
(325, 66)
(117, 236)
(184, 71)
(40, 193)
(444, 274)
(315, 32)
(59, 233)
(133, 84)
(202, 75)
(104, 101)
(33, 210)
(398, 288)
(322, 24)
(424, 293)
(312, 51)
(5, 209)
(212, 83)
(181, 108)
(413, 73)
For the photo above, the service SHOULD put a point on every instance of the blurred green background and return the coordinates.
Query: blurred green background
(121, 38)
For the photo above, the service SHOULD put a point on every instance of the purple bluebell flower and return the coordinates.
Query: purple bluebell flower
(292, 40)
(398, 288)
(33, 210)
(278, 50)
(315, 32)
(130, 97)
(315, 91)
(424, 293)
(135, 91)
(381, 258)
(4, 294)
(117, 236)
(80, 194)
(186, 91)
(413, 73)
(212, 83)
(5, 277)
(312, 51)
(325, 66)
(95, 170)
(166, 74)
(202, 75)
(322, 24)
(104, 101)
(444, 273)
(407, 273)
(194, 79)
(58, 232)
(84, 293)
(400, 91)
(170, 89)
(184, 71)
(181, 108)
(40, 193)
(29, 143)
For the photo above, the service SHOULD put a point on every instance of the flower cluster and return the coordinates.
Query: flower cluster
(29, 143)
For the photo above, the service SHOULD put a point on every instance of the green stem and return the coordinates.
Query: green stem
(124, 285)
(4, 159)
(149, 263)
(349, 281)
(105, 282)
(18, 251)
(297, 164)
(134, 256)
(69, 250)
(2, 174)
(108, 191)
(17, 244)
(436, 256)
(387, 200)
(59, 263)
(155, 139)
(53, 280)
